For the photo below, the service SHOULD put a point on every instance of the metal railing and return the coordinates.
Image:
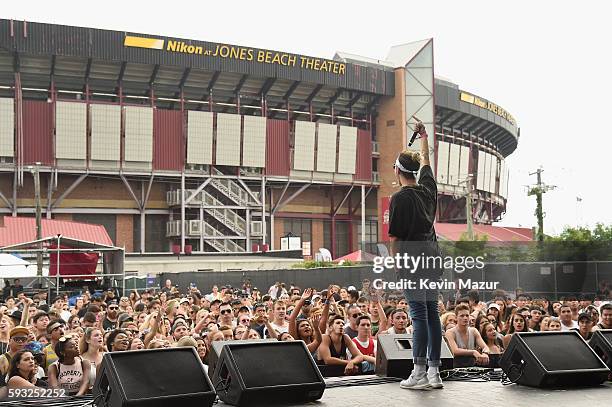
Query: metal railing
(230, 189)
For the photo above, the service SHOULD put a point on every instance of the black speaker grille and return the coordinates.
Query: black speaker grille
(264, 365)
(608, 335)
(167, 373)
(562, 352)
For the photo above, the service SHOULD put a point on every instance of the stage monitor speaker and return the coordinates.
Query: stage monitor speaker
(217, 347)
(552, 359)
(601, 343)
(269, 372)
(153, 378)
(394, 355)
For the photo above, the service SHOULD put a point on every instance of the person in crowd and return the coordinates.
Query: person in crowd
(354, 312)
(606, 317)
(226, 315)
(70, 372)
(554, 324)
(41, 320)
(535, 317)
(585, 326)
(55, 330)
(566, 318)
(111, 316)
(5, 328)
(117, 341)
(334, 346)
(544, 323)
(303, 329)
(22, 371)
(364, 340)
(91, 346)
(464, 340)
(377, 315)
(279, 323)
(399, 322)
(448, 320)
(494, 342)
(17, 342)
(516, 323)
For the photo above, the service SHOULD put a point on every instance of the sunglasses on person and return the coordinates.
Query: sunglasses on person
(20, 339)
(356, 315)
(113, 307)
(225, 311)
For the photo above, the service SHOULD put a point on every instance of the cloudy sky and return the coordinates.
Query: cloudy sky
(548, 63)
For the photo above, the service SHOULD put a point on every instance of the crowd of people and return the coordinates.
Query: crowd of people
(60, 343)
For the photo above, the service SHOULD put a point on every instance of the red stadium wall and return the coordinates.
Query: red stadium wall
(37, 132)
(363, 170)
(168, 140)
(277, 148)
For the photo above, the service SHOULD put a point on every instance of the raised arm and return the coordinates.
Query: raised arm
(325, 313)
(154, 329)
(420, 128)
(296, 311)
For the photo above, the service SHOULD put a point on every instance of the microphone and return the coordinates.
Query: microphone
(414, 135)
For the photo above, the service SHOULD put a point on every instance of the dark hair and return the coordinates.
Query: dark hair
(94, 308)
(510, 323)
(111, 338)
(13, 369)
(334, 318)
(606, 306)
(60, 349)
(139, 307)
(354, 294)
(483, 334)
(363, 317)
(89, 317)
(396, 310)
(473, 295)
(411, 161)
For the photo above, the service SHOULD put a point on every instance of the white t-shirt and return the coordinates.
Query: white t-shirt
(568, 328)
(277, 328)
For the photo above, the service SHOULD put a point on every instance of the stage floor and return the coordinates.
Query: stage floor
(461, 394)
(489, 394)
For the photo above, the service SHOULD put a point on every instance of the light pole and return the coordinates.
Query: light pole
(36, 174)
(468, 205)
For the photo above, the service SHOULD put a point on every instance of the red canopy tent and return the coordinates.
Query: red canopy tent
(357, 256)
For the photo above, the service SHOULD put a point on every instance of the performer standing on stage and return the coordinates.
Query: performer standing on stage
(412, 211)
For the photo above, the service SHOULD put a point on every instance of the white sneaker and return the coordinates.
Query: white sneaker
(435, 381)
(415, 382)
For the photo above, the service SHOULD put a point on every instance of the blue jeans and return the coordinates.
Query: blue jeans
(427, 333)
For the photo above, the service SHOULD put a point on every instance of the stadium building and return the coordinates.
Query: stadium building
(206, 147)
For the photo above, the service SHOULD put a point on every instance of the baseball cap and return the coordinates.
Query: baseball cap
(19, 330)
(16, 315)
(178, 322)
(184, 300)
(584, 315)
(494, 305)
(124, 317)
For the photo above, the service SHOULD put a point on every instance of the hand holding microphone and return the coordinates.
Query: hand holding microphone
(419, 129)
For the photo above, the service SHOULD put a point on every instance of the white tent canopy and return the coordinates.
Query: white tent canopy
(15, 267)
